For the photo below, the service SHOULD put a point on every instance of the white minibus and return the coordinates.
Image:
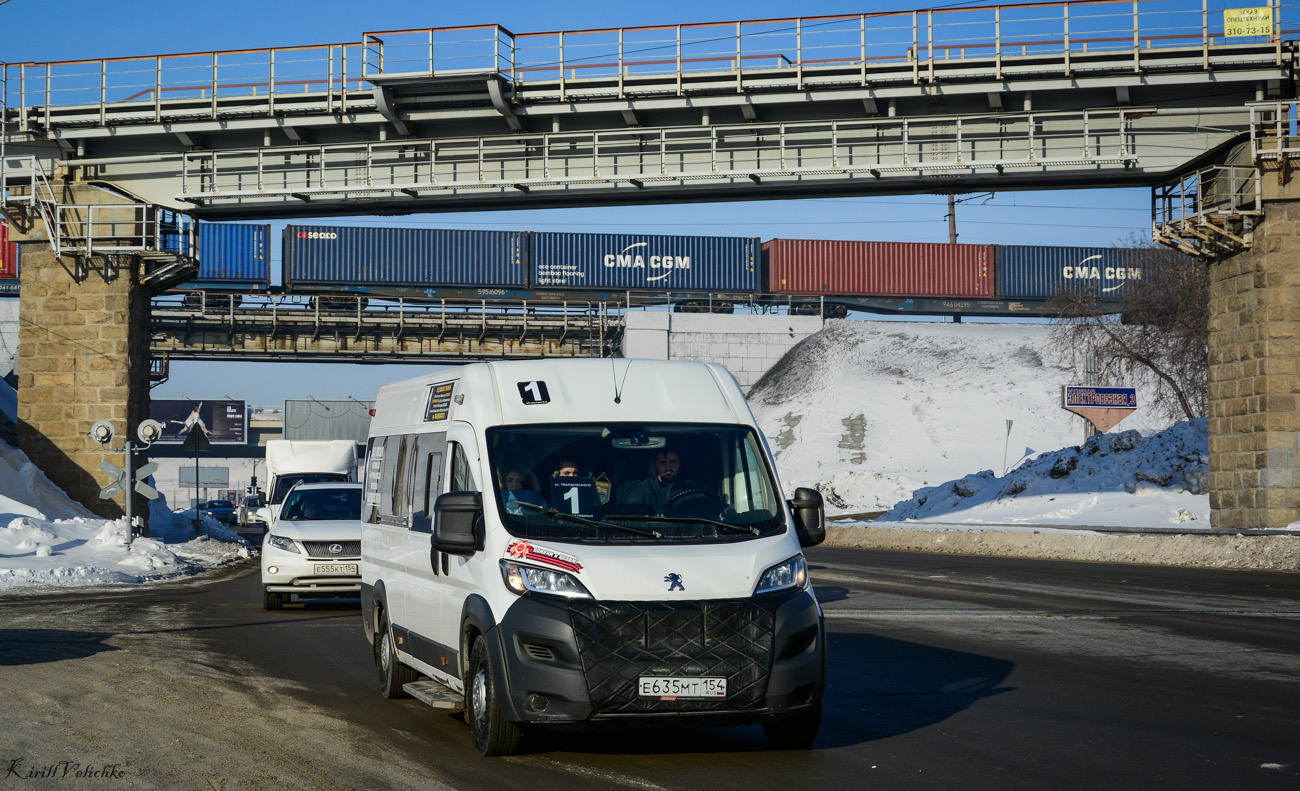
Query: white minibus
(583, 542)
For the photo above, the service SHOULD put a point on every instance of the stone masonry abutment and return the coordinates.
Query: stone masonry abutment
(1255, 368)
(83, 356)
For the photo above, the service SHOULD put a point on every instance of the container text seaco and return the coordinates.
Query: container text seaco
(633, 258)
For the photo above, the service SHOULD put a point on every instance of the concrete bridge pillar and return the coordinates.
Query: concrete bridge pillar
(83, 356)
(1255, 369)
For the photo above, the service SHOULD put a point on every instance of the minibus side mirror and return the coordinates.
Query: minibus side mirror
(809, 516)
(458, 523)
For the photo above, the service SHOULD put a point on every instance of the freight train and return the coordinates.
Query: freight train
(341, 266)
(8, 262)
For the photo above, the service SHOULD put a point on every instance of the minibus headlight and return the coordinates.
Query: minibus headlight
(280, 542)
(522, 579)
(793, 573)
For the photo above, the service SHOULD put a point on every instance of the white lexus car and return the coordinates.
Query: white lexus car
(312, 548)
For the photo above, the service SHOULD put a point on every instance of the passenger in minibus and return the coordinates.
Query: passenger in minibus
(515, 490)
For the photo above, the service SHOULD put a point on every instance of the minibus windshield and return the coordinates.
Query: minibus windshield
(670, 481)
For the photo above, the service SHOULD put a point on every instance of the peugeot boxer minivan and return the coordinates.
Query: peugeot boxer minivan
(568, 542)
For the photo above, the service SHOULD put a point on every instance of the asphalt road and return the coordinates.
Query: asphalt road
(945, 672)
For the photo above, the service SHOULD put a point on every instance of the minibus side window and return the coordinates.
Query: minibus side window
(427, 477)
(401, 476)
(750, 490)
(462, 477)
(387, 473)
(372, 477)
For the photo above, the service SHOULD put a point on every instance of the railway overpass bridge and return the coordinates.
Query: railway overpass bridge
(1194, 103)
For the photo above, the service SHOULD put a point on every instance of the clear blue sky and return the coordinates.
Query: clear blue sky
(41, 30)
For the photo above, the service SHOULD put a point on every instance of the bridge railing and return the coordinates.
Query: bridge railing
(755, 151)
(922, 40)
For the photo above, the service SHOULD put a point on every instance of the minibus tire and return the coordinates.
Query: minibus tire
(491, 733)
(393, 675)
(794, 733)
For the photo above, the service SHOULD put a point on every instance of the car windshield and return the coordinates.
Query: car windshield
(219, 504)
(624, 482)
(284, 483)
(310, 505)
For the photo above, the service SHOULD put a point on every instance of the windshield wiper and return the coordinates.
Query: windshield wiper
(692, 519)
(554, 514)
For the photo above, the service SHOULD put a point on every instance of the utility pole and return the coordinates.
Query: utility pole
(952, 218)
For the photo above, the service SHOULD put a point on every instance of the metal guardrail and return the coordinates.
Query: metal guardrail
(920, 39)
(993, 142)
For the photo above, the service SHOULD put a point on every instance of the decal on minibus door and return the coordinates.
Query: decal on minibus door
(534, 392)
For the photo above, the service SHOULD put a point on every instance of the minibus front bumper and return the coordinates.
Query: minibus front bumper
(581, 660)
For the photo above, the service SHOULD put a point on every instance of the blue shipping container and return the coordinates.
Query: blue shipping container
(1106, 273)
(634, 262)
(234, 254)
(321, 256)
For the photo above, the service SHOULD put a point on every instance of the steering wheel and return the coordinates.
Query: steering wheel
(701, 502)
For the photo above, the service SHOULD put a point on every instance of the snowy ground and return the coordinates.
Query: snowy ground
(911, 418)
(49, 540)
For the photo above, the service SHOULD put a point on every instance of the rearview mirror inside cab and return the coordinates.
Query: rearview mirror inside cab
(458, 523)
(809, 516)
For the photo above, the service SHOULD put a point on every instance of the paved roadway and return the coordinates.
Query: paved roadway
(946, 672)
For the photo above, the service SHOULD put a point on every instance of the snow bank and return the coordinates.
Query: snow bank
(1116, 480)
(49, 540)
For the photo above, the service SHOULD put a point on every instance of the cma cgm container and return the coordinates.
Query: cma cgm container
(234, 256)
(1106, 273)
(896, 269)
(320, 258)
(634, 262)
(8, 253)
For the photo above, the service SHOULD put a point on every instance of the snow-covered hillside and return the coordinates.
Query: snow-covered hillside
(869, 412)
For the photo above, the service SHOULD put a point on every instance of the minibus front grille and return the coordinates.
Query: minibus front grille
(619, 642)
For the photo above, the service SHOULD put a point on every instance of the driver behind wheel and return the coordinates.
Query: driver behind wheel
(659, 488)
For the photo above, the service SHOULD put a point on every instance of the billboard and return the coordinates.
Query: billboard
(222, 421)
(208, 476)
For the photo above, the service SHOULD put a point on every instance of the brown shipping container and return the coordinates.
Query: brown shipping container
(8, 253)
(893, 269)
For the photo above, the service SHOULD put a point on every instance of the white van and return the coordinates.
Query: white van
(584, 541)
(293, 461)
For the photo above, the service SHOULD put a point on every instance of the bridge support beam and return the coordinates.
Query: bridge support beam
(83, 356)
(1255, 369)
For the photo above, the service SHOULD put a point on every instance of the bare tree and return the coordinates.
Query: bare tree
(1158, 336)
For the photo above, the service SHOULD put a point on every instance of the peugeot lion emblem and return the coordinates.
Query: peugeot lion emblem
(335, 549)
(674, 582)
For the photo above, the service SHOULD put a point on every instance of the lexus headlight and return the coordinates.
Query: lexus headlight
(530, 579)
(793, 573)
(280, 542)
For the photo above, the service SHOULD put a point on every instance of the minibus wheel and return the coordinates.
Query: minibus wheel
(491, 733)
(794, 733)
(392, 673)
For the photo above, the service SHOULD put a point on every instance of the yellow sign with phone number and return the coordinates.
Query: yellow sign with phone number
(1239, 22)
